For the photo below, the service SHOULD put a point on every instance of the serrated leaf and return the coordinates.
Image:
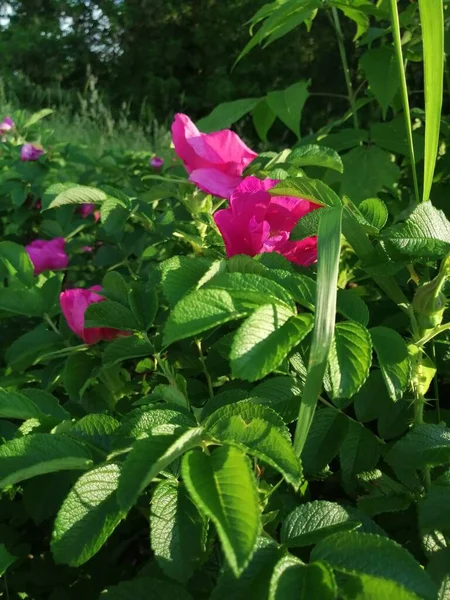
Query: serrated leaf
(226, 113)
(200, 311)
(352, 307)
(318, 156)
(310, 522)
(31, 346)
(375, 212)
(148, 457)
(434, 507)
(264, 340)
(223, 486)
(40, 453)
(370, 554)
(143, 302)
(125, 348)
(114, 287)
(249, 410)
(253, 584)
(87, 517)
(78, 194)
(425, 233)
(328, 429)
(97, 429)
(359, 451)
(17, 405)
(250, 431)
(380, 67)
(110, 314)
(181, 274)
(371, 398)
(178, 531)
(42, 496)
(77, 371)
(17, 262)
(392, 354)
(280, 393)
(288, 104)
(308, 189)
(362, 587)
(6, 559)
(349, 359)
(146, 588)
(293, 580)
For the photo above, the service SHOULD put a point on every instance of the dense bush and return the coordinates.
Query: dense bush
(233, 383)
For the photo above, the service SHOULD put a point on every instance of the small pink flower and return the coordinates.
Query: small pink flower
(156, 162)
(215, 161)
(87, 249)
(6, 125)
(256, 222)
(30, 152)
(87, 209)
(74, 303)
(48, 255)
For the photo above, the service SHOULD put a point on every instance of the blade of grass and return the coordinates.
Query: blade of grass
(404, 89)
(432, 20)
(329, 247)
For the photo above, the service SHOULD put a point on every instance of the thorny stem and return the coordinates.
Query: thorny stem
(348, 81)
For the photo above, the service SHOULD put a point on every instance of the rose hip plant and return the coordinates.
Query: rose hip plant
(224, 373)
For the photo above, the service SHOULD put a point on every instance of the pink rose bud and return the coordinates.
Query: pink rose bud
(87, 209)
(30, 152)
(215, 161)
(156, 162)
(256, 222)
(6, 125)
(48, 255)
(74, 303)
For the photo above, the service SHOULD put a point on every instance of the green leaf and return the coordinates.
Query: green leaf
(358, 16)
(380, 68)
(248, 410)
(329, 245)
(47, 404)
(425, 233)
(310, 522)
(17, 262)
(439, 572)
(110, 314)
(114, 287)
(37, 116)
(359, 451)
(31, 346)
(77, 371)
(27, 302)
(432, 21)
(375, 213)
(352, 306)
(125, 348)
(227, 113)
(434, 507)
(200, 311)
(264, 340)
(307, 225)
(371, 554)
(40, 453)
(149, 456)
(392, 354)
(349, 359)
(181, 274)
(223, 486)
(317, 156)
(177, 531)
(263, 119)
(87, 517)
(308, 189)
(367, 171)
(17, 405)
(97, 429)
(42, 496)
(78, 194)
(146, 588)
(328, 429)
(280, 393)
(6, 559)
(253, 584)
(250, 431)
(293, 580)
(143, 302)
(288, 104)
(362, 587)
(371, 398)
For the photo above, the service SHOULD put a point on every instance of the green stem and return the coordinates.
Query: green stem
(404, 89)
(205, 370)
(48, 319)
(348, 80)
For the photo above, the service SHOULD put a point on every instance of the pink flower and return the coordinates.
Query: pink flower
(156, 162)
(214, 161)
(257, 222)
(74, 303)
(87, 209)
(48, 255)
(6, 125)
(30, 152)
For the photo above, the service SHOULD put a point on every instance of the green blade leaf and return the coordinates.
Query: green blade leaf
(432, 21)
(393, 358)
(329, 245)
(87, 517)
(227, 113)
(425, 233)
(37, 116)
(371, 554)
(148, 457)
(349, 359)
(293, 580)
(178, 531)
(223, 486)
(40, 453)
(310, 522)
(264, 340)
(257, 436)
